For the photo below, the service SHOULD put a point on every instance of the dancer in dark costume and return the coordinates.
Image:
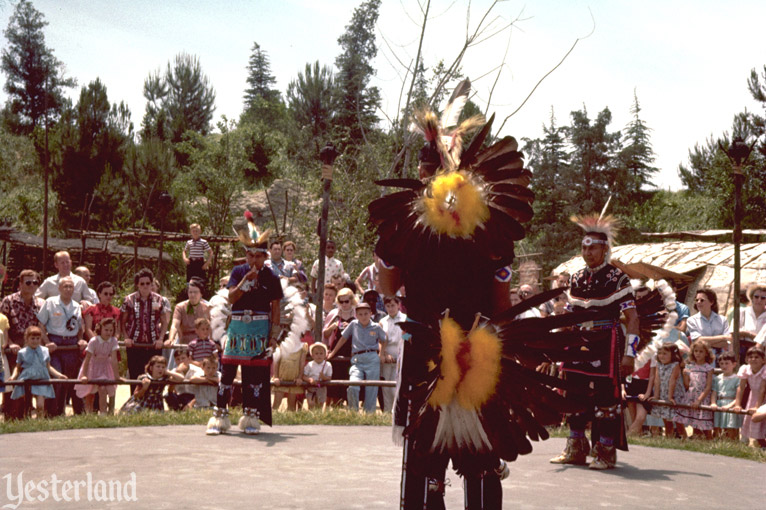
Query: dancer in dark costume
(600, 285)
(467, 390)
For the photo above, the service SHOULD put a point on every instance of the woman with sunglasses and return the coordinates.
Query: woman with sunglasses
(752, 320)
(706, 325)
(337, 321)
(102, 310)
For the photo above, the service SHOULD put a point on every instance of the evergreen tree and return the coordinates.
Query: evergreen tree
(259, 78)
(637, 156)
(357, 99)
(34, 77)
(262, 102)
(311, 103)
(180, 100)
(90, 140)
(592, 167)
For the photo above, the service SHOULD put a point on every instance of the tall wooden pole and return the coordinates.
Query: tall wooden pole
(327, 155)
(45, 185)
(738, 179)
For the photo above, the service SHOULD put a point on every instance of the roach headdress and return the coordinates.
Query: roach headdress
(604, 224)
(249, 236)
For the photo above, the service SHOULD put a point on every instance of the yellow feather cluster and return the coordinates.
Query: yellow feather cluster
(480, 381)
(454, 205)
(451, 336)
(477, 384)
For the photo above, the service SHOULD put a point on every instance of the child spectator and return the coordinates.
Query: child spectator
(33, 363)
(205, 396)
(315, 373)
(100, 363)
(668, 386)
(390, 358)
(147, 395)
(288, 368)
(202, 347)
(753, 375)
(181, 396)
(196, 254)
(698, 377)
(723, 397)
(367, 339)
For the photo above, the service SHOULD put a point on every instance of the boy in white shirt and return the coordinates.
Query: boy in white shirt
(390, 359)
(314, 373)
(206, 395)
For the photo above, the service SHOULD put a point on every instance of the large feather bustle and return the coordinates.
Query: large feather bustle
(521, 402)
(668, 298)
(220, 310)
(298, 313)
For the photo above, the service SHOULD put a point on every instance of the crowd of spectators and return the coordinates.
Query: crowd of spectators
(81, 333)
(61, 327)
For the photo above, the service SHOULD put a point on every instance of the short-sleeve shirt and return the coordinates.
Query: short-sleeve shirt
(201, 348)
(258, 299)
(314, 369)
(393, 333)
(196, 249)
(186, 321)
(60, 319)
(20, 315)
(141, 315)
(364, 338)
(697, 325)
(332, 266)
(50, 288)
(3, 328)
(604, 288)
(100, 312)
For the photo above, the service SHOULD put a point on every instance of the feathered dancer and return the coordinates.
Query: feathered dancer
(468, 389)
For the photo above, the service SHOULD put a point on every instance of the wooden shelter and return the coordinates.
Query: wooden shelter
(708, 264)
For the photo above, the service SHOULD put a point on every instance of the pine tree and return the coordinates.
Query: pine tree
(34, 77)
(259, 78)
(179, 100)
(637, 156)
(310, 98)
(357, 99)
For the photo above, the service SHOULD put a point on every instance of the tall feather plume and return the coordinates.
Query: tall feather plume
(455, 105)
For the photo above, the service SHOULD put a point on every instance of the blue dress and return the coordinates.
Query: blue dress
(34, 367)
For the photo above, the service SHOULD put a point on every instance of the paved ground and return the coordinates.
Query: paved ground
(329, 468)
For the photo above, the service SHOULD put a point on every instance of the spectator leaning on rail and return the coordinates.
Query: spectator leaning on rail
(50, 287)
(752, 320)
(143, 322)
(706, 325)
(61, 316)
(21, 310)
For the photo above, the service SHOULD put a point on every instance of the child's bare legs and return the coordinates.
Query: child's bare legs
(638, 421)
(291, 399)
(103, 408)
(668, 427)
(40, 406)
(278, 396)
(761, 442)
(732, 434)
(89, 403)
(680, 430)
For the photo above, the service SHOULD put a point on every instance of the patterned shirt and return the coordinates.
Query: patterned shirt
(201, 348)
(281, 267)
(20, 315)
(331, 266)
(196, 248)
(149, 313)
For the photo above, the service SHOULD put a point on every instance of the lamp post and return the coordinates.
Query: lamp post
(164, 203)
(738, 153)
(327, 155)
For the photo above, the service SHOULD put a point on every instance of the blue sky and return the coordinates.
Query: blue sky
(688, 61)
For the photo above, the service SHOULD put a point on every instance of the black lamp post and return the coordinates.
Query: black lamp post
(327, 155)
(164, 204)
(738, 153)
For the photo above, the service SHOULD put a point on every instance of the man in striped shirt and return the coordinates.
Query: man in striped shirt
(196, 254)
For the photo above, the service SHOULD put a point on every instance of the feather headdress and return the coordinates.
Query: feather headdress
(444, 133)
(250, 237)
(604, 224)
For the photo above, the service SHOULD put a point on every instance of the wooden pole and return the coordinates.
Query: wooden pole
(738, 179)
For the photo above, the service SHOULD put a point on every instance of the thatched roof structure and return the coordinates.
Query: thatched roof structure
(710, 264)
